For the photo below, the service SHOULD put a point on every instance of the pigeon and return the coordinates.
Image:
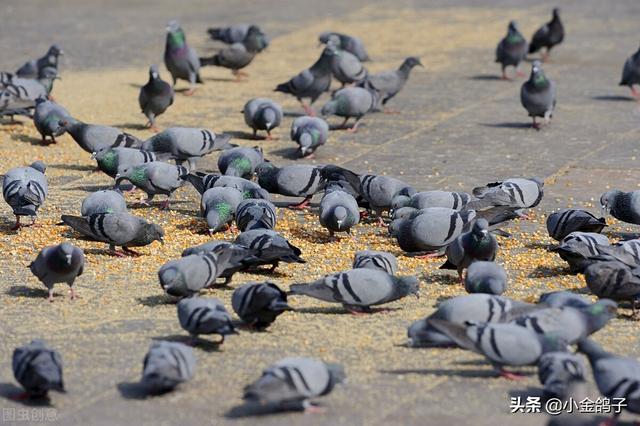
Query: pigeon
(218, 207)
(345, 66)
(270, 248)
(563, 222)
(337, 177)
(511, 50)
(234, 33)
(240, 54)
(154, 178)
(432, 230)
(502, 344)
(155, 97)
(351, 102)
(33, 68)
(188, 275)
(428, 199)
(310, 83)
(103, 201)
(181, 60)
(25, 189)
(38, 368)
(379, 191)
(557, 370)
(47, 117)
(111, 160)
(6, 78)
(201, 182)
(255, 213)
(259, 304)
(477, 244)
(538, 95)
(614, 280)
(198, 315)
(297, 180)
(558, 299)
(262, 114)
(624, 206)
(19, 97)
(309, 133)
(338, 212)
(94, 137)
(548, 35)
(470, 308)
(186, 143)
(290, 383)
(631, 73)
(577, 247)
(166, 365)
(374, 259)
(231, 258)
(389, 83)
(117, 229)
(61, 263)
(240, 161)
(485, 277)
(519, 193)
(617, 377)
(349, 43)
(359, 289)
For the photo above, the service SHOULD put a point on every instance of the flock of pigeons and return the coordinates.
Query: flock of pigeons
(461, 226)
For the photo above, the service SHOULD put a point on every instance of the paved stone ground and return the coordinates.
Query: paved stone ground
(460, 126)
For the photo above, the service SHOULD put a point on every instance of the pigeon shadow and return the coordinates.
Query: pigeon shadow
(76, 167)
(549, 272)
(92, 188)
(624, 236)
(13, 393)
(613, 98)
(224, 80)
(442, 279)
(537, 245)
(293, 114)
(267, 272)
(239, 134)
(252, 410)
(157, 300)
(133, 390)
(485, 77)
(338, 310)
(197, 343)
(508, 125)
(9, 122)
(135, 85)
(26, 138)
(484, 373)
(287, 153)
(344, 127)
(25, 291)
(131, 126)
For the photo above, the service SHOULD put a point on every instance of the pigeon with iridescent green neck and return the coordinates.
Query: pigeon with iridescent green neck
(511, 50)
(95, 137)
(111, 159)
(155, 97)
(47, 117)
(218, 207)
(538, 95)
(240, 161)
(309, 133)
(181, 60)
(154, 178)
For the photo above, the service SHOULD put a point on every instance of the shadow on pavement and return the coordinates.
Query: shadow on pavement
(613, 98)
(508, 125)
(13, 393)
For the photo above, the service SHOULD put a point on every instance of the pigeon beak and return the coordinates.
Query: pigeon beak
(420, 64)
(93, 155)
(57, 77)
(417, 295)
(68, 256)
(161, 240)
(484, 232)
(210, 231)
(118, 176)
(339, 222)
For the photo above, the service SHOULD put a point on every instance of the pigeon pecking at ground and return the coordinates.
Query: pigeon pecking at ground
(297, 180)
(166, 365)
(557, 371)
(95, 137)
(374, 259)
(269, 248)
(259, 304)
(563, 222)
(218, 206)
(111, 160)
(47, 117)
(262, 114)
(547, 36)
(511, 50)
(485, 277)
(255, 213)
(519, 193)
(198, 315)
(180, 59)
(38, 369)
(615, 281)
(230, 257)
(380, 191)
(61, 263)
(240, 161)
(309, 133)
(338, 212)
(345, 66)
(538, 96)
(103, 201)
(155, 97)
(154, 178)
(624, 206)
(25, 189)
(188, 275)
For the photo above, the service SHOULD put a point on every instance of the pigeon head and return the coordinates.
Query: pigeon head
(171, 280)
(63, 257)
(553, 343)
(255, 40)
(107, 160)
(340, 214)
(55, 50)
(323, 38)
(330, 107)
(513, 26)
(412, 61)
(592, 350)
(408, 285)
(154, 74)
(333, 42)
(480, 229)
(137, 175)
(39, 166)
(336, 372)
(265, 168)
(149, 233)
(400, 201)
(175, 35)
(556, 13)
(218, 215)
(394, 227)
(600, 313)
(267, 116)
(537, 78)
(68, 123)
(607, 200)
(404, 213)
(305, 140)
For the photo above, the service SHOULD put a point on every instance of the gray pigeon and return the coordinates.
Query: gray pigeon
(577, 247)
(61, 263)
(110, 160)
(548, 35)
(181, 60)
(104, 201)
(538, 95)
(296, 180)
(558, 299)
(345, 66)
(186, 143)
(513, 192)
(94, 137)
(166, 365)
(25, 189)
(563, 222)
(485, 277)
(38, 369)
(379, 191)
(338, 212)
(240, 54)
(33, 68)
(428, 199)
(188, 275)
(374, 259)
(234, 33)
(155, 97)
(270, 248)
(218, 207)
(259, 304)
(556, 372)
(117, 229)
(349, 43)
(309, 133)
(477, 244)
(359, 289)
(231, 258)
(631, 73)
(240, 161)
(470, 308)
(47, 117)
(617, 377)
(624, 206)
(431, 230)
(255, 213)
(290, 383)
(337, 177)
(389, 83)
(351, 102)
(614, 280)
(201, 182)
(198, 315)
(262, 114)
(19, 97)
(154, 178)
(310, 83)
(511, 50)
